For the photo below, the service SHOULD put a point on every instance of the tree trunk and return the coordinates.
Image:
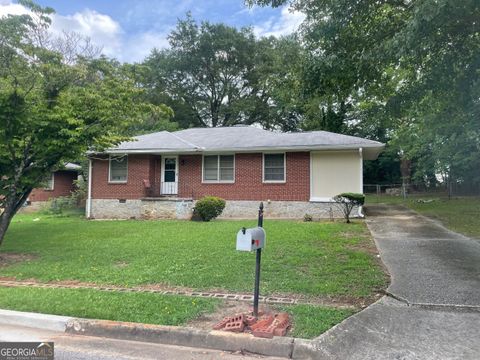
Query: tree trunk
(11, 208)
(5, 220)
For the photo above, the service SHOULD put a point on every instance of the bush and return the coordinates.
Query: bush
(209, 207)
(57, 206)
(347, 201)
(307, 218)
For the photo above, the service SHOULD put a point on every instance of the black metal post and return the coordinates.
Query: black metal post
(257, 266)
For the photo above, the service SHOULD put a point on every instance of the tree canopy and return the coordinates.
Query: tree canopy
(53, 111)
(217, 75)
(406, 71)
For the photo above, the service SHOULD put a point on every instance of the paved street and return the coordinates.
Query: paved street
(429, 265)
(70, 347)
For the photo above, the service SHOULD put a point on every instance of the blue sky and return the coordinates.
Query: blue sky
(128, 29)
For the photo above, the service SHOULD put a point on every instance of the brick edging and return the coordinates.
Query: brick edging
(202, 294)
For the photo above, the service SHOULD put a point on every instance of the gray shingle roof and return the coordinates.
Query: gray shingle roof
(242, 139)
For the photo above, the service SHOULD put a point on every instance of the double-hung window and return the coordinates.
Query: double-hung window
(218, 168)
(274, 167)
(118, 170)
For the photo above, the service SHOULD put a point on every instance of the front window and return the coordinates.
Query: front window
(218, 168)
(274, 167)
(118, 169)
(50, 183)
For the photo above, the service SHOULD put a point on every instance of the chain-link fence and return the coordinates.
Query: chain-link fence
(454, 189)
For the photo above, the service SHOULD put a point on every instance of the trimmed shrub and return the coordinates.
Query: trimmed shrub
(347, 201)
(208, 208)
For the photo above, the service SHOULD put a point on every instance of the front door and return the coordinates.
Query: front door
(169, 184)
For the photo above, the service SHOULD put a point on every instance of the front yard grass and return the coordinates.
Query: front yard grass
(311, 259)
(106, 305)
(309, 320)
(458, 214)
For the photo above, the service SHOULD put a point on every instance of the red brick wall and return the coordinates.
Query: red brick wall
(62, 186)
(248, 179)
(139, 168)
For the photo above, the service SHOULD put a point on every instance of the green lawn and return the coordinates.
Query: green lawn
(300, 258)
(458, 214)
(309, 321)
(96, 304)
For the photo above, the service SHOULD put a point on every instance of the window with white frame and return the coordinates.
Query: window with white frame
(218, 168)
(50, 182)
(274, 167)
(118, 169)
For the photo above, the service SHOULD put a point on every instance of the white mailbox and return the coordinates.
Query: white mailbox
(251, 239)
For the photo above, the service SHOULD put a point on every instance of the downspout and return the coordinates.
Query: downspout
(89, 197)
(360, 208)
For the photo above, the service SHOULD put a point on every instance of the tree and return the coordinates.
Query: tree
(217, 75)
(346, 202)
(207, 69)
(51, 112)
(413, 64)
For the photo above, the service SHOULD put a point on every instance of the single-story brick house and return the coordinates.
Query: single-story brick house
(161, 175)
(60, 183)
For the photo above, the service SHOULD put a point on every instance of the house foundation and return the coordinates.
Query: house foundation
(178, 208)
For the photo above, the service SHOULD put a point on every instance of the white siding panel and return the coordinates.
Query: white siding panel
(334, 172)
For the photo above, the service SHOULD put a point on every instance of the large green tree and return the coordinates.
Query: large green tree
(217, 75)
(408, 71)
(52, 111)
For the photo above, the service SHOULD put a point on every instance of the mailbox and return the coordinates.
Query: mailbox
(251, 239)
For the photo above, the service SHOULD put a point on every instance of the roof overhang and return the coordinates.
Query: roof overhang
(370, 152)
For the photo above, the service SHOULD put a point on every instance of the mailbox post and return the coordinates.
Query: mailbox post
(257, 265)
(249, 240)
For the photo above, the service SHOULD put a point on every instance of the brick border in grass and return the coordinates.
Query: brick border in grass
(203, 294)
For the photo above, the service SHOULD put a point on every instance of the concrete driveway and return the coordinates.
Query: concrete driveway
(428, 263)
(433, 307)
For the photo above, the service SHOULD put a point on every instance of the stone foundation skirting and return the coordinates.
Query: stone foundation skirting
(176, 208)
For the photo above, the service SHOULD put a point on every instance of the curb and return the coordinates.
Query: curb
(285, 347)
(181, 336)
(35, 320)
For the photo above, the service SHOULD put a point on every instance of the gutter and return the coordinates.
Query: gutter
(245, 149)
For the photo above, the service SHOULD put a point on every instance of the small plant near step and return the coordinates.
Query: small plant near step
(347, 201)
(209, 207)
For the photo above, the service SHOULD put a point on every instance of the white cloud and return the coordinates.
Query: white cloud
(140, 46)
(288, 23)
(8, 8)
(103, 31)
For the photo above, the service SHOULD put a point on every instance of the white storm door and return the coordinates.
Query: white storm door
(169, 183)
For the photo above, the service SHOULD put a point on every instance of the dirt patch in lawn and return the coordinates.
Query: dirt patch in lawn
(228, 308)
(7, 259)
(367, 246)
